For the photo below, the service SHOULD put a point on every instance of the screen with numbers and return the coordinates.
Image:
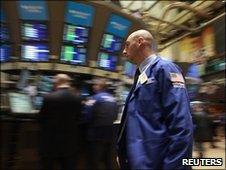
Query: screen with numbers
(107, 61)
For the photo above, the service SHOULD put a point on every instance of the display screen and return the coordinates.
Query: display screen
(37, 102)
(5, 52)
(111, 43)
(129, 69)
(75, 34)
(20, 103)
(34, 32)
(35, 52)
(23, 80)
(45, 84)
(4, 35)
(73, 55)
(217, 64)
(107, 61)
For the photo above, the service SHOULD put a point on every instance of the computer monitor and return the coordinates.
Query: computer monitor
(107, 61)
(35, 52)
(4, 34)
(37, 102)
(20, 103)
(34, 31)
(5, 52)
(73, 55)
(129, 69)
(75, 34)
(45, 84)
(111, 43)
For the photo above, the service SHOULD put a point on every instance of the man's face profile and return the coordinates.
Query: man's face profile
(130, 49)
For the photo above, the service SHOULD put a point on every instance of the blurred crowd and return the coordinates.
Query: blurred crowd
(78, 131)
(208, 126)
(73, 127)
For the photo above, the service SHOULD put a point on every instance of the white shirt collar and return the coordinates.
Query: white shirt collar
(147, 62)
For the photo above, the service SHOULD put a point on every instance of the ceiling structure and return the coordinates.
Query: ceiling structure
(170, 21)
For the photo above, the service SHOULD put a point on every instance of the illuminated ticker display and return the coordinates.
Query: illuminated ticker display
(35, 52)
(5, 52)
(107, 61)
(34, 32)
(73, 55)
(111, 43)
(75, 34)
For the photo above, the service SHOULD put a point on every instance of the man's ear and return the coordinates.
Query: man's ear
(140, 41)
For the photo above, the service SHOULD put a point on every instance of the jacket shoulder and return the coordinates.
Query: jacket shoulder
(166, 65)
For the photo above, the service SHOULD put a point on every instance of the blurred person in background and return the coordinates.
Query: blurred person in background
(222, 123)
(58, 126)
(82, 143)
(31, 90)
(214, 115)
(156, 130)
(101, 111)
(203, 130)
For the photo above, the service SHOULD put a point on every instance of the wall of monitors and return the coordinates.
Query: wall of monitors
(5, 47)
(74, 49)
(34, 30)
(34, 35)
(116, 29)
(78, 21)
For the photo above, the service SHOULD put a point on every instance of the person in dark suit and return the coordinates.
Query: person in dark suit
(202, 123)
(58, 123)
(101, 110)
(156, 130)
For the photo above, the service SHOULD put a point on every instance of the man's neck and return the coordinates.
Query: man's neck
(143, 57)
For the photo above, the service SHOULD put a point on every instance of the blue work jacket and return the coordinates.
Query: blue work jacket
(156, 130)
(100, 112)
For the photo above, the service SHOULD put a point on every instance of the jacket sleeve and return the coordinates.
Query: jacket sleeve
(177, 116)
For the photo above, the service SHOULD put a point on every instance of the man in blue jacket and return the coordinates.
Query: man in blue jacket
(156, 130)
(101, 110)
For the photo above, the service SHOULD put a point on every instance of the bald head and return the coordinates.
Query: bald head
(62, 80)
(139, 45)
(142, 33)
